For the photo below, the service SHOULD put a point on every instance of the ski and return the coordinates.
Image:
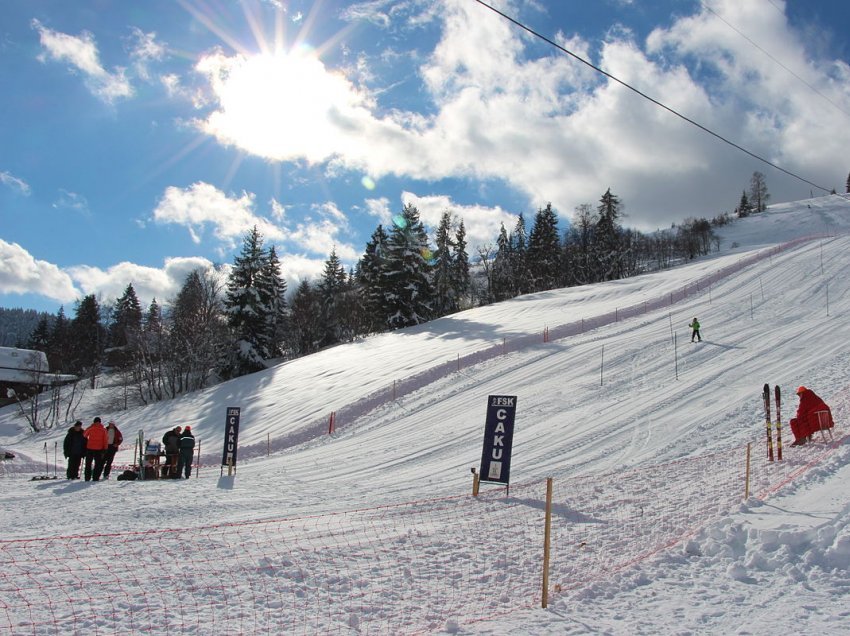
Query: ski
(778, 401)
(766, 397)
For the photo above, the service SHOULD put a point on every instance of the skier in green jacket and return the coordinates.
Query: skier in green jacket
(695, 326)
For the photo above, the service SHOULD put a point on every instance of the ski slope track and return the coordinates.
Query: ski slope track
(373, 529)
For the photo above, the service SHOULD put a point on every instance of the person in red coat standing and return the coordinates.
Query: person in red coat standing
(807, 422)
(97, 441)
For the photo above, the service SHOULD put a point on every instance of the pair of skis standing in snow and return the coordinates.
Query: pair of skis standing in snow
(813, 415)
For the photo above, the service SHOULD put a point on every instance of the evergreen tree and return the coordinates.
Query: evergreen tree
(461, 276)
(607, 247)
(126, 319)
(443, 279)
(246, 308)
(59, 345)
(758, 192)
(88, 337)
(331, 290)
(501, 283)
(521, 282)
(544, 250)
(273, 288)
(744, 208)
(409, 295)
(848, 183)
(306, 329)
(39, 339)
(371, 281)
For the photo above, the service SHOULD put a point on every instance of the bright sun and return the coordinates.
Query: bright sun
(280, 105)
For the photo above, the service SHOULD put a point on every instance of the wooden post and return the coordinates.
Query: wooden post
(475, 482)
(747, 477)
(547, 536)
(676, 354)
(601, 365)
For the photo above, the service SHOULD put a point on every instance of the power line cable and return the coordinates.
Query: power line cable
(739, 32)
(647, 97)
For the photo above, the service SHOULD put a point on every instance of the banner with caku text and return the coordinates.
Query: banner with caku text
(231, 436)
(498, 439)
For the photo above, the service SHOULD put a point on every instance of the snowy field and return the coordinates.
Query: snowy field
(373, 529)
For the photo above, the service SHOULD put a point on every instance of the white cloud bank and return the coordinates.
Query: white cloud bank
(550, 127)
(20, 273)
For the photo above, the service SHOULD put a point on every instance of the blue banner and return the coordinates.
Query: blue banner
(498, 439)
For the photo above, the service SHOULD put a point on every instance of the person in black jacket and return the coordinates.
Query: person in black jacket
(171, 444)
(187, 449)
(74, 449)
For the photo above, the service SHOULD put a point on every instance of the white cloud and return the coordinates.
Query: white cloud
(550, 127)
(148, 282)
(144, 48)
(202, 204)
(82, 54)
(71, 201)
(380, 209)
(13, 182)
(482, 224)
(20, 273)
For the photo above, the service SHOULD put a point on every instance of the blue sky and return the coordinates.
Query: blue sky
(139, 140)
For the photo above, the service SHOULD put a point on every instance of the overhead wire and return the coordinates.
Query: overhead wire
(743, 35)
(649, 98)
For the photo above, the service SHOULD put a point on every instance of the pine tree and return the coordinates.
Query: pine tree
(744, 208)
(304, 322)
(59, 344)
(126, 319)
(88, 337)
(521, 282)
(39, 339)
(273, 288)
(331, 290)
(607, 238)
(246, 309)
(443, 278)
(544, 250)
(409, 295)
(461, 278)
(371, 281)
(501, 283)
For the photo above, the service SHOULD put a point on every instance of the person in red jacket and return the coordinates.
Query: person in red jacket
(114, 439)
(97, 441)
(807, 422)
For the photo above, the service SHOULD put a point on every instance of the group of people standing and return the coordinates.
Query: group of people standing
(97, 444)
(179, 446)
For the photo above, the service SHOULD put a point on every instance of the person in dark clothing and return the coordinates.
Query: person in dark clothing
(187, 449)
(113, 439)
(171, 444)
(96, 443)
(74, 448)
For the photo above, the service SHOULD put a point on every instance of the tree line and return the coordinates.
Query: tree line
(219, 327)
